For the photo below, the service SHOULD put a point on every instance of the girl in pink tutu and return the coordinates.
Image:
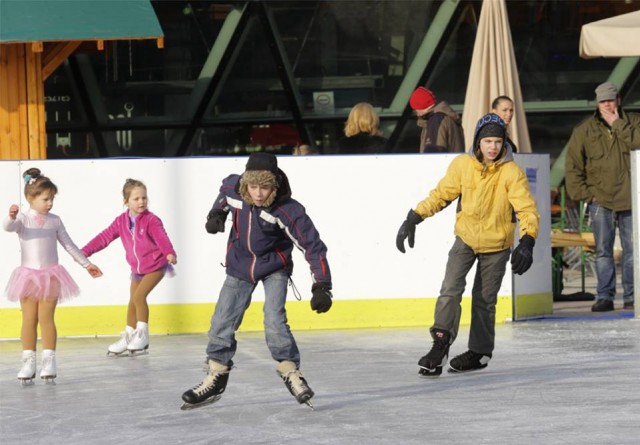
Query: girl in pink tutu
(150, 254)
(40, 282)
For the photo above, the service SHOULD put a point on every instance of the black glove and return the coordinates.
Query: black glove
(408, 229)
(522, 256)
(215, 221)
(321, 300)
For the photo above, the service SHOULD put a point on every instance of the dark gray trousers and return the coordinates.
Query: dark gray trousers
(486, 284)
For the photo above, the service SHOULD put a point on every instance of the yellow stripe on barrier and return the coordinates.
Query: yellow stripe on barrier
(193, 318)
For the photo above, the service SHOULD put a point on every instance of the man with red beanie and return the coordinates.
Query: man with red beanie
(441, 126)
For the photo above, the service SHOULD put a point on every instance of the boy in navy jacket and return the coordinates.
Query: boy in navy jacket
(267, 224)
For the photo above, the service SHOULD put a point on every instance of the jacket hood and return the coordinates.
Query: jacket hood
(506, 154)
(443, 108)
(281, 193)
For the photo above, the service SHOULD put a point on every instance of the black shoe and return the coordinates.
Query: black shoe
(469, 361)
(628, 305)
(432, 363)
(602, 306)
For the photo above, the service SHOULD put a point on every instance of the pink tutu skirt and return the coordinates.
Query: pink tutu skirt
(52, 283)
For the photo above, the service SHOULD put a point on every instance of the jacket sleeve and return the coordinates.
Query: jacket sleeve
(524, 204)
(628, 130)
(451, 136)
(575, 167)
(447, 190)
(160, 237)
(102, 240)
(301, 230)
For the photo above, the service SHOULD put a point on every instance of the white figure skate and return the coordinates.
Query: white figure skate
(28, 371)
(48, 371)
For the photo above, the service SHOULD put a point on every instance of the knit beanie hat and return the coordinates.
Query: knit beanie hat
(261, 169)
(422, 98)
(262, 161)
(491, 130)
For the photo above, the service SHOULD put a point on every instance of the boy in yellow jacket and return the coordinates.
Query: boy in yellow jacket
(491, 190)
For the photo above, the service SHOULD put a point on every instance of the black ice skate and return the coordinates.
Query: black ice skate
(468, 361)
(210, 389)
(294, 381)
(432, 363)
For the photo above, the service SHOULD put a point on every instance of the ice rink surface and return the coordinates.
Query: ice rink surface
(552, 381)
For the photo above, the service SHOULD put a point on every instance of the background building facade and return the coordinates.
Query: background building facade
(234, 77)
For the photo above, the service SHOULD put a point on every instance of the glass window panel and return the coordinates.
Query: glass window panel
(358, 51)
(253, 88)
(70, 145)
(546, 37)
(62, 104)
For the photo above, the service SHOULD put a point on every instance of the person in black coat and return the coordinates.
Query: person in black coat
(361, 132)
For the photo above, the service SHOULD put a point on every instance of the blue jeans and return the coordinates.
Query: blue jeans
(234, 300)
(604, 222)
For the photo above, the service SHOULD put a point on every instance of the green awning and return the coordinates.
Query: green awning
(77, 20)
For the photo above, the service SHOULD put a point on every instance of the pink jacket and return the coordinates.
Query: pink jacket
(146, 248)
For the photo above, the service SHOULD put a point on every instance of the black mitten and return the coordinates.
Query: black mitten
(408, 230)
(215, 221)
(321, 299)
(522, 256)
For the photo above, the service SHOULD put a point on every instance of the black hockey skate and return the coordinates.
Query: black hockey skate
(295, 383)
(468, 361)
(432, 363)
(210, 389)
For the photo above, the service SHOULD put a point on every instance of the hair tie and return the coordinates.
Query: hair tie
(28, 179)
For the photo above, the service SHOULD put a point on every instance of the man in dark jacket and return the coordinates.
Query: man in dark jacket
(267, 223)
(441, 126)
(598, 171)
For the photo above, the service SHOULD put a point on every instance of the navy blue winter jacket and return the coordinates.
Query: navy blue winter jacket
(262, 239)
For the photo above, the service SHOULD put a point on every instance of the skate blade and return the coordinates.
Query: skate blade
(426, 372)
(189, 406)
(137, 352)
(26, 382)
(49, 380)
(117, 354)
(310, 405)
(457, 371)
(143, 351)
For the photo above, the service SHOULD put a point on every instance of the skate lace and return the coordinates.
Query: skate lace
(467, 358)
(295, 380)
(28, 363)
(208, 383)
(47, 362)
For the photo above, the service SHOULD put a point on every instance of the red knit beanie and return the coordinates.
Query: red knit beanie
(422, 98)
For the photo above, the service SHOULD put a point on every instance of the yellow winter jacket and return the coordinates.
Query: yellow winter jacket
(489, 197)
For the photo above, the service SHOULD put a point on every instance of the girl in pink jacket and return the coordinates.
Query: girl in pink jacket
(150, 254)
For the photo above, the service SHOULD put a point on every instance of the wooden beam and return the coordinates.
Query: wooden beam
(55, 55)
(37, 46)
(35, 106)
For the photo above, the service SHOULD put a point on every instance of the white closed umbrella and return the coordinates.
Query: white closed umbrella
(494, 73)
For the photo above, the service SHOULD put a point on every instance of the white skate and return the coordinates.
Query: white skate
(28, 371)
(120, 347)
(139, 343)
(295, 382)
(48, 371)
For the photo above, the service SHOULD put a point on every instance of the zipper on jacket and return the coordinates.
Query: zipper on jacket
(253, 255)
(133, 239)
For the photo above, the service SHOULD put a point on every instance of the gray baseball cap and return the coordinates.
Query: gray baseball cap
(606, 91)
